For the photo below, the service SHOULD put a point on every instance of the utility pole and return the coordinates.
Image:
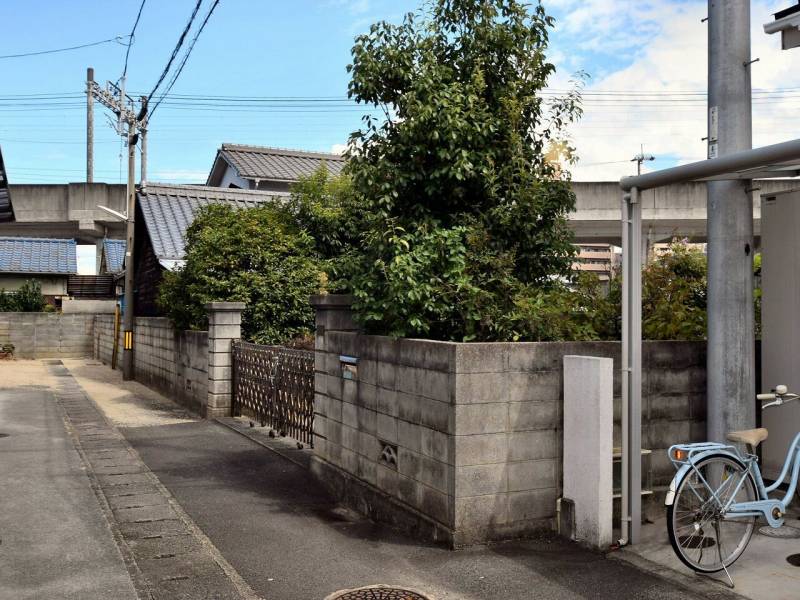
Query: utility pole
(646, 240)
(127, 123)
(640, 158)
(731, 320)
(89, 125)
(143, 137)
(127, 317)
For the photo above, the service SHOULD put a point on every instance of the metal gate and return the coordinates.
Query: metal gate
(275, 386)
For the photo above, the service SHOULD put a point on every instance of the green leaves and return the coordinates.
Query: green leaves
(259, 256)
(468, 217)
(28, 298)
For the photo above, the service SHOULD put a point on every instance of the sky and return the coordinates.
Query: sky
(646, 60)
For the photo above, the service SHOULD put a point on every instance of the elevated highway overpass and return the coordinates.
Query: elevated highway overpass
(70, 211)
(667, 212)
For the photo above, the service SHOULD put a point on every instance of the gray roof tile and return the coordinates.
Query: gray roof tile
(168, 211)
(277, 164)
(38, 255)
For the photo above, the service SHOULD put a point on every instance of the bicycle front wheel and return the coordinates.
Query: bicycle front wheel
(704, 537)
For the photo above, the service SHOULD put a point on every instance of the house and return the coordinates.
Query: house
(113, 257)
(6, 210)
(264, 168)
(163, 214)
(46, 260)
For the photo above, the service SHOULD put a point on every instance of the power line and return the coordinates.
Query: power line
(185, 57)
(117, 39)
(175, 51)
(131, 38)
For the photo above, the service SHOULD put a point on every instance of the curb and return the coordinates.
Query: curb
(699, 585)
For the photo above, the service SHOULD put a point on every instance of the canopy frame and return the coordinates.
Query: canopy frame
(775, 161)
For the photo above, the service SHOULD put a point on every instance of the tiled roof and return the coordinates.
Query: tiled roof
(168, 211)
(38, 255)
(114, 251)
(6, 211)
(277, 164)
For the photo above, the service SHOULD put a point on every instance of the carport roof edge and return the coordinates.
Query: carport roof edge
(777, 160)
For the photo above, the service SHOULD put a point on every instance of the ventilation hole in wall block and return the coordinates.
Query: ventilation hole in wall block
(389, 455)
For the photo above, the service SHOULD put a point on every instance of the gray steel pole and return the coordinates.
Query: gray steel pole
(127, 322)
(89, 125)
(731, 348)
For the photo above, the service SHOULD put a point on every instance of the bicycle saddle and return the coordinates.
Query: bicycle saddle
(751, 437)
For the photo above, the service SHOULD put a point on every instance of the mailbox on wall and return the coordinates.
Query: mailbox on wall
(349, 366)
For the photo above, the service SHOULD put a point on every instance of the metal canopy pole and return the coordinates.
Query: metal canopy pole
(631, 430)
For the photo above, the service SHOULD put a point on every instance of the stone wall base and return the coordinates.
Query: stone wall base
(383, 508)
(379, 506)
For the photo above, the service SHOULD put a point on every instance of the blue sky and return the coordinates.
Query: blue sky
(277, 49)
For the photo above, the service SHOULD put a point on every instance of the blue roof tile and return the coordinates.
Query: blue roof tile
(114, 251)
(38, 255)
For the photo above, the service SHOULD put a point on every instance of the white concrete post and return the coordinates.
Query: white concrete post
(224, 326)
(588, 431)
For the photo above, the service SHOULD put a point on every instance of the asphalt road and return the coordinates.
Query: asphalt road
(55, 541)
(287, 538)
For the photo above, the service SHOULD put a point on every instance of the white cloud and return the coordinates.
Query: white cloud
(658, 47)
(338, 148)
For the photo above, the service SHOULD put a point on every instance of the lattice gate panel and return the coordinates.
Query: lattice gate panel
(275, 386)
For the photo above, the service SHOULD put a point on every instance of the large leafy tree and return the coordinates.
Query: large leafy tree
(469, 216)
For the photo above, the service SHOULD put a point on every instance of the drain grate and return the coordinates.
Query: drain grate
(787, 532)
(377, 592)
(794, 560)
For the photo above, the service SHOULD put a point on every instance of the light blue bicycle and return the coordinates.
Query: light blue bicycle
(718, 494)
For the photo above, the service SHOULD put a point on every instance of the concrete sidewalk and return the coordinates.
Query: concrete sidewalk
(761, 573)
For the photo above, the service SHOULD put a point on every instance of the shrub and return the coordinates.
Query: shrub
(28, 298)
(258, 256)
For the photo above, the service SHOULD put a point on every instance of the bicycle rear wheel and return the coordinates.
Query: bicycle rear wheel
(703, 537)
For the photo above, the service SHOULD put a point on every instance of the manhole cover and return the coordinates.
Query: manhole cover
(694, 542)
(787, 532)
(794, 560)
(377, 592)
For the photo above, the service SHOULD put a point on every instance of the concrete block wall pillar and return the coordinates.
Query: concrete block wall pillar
(588, 426)
(224, 326)
(333, 313)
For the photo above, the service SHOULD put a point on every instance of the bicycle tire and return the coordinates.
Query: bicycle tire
(674, 538)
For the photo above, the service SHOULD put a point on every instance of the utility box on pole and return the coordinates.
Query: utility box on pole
(780, 320)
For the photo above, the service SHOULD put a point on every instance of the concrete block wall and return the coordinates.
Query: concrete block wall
(155, 346)
(468, 438)
(47, 335)
(192, 367)
(172, 362)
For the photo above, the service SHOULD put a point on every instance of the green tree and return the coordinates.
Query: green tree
(28, 298)
(674, 297)
(328, 209)
(467, 212)
(258, 256)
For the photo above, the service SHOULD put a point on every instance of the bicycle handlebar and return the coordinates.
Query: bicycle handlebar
(779, 396)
